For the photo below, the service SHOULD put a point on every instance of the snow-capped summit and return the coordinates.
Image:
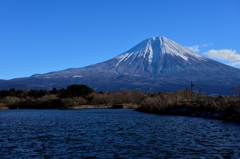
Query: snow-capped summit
(155, 64)
(154, 47)
(155, 54)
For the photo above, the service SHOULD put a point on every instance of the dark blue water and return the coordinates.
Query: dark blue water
(113, 133)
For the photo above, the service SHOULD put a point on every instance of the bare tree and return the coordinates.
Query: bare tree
(236, 89)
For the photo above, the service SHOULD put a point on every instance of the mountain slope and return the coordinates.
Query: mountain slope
(155, 64)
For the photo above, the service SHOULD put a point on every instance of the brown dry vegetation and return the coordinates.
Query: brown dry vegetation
(135, 99)
(187, 103)
(147, 102)
(129, 99)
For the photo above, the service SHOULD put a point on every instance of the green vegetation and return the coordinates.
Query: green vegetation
(182, 102)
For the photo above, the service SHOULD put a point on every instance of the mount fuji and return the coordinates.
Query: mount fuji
(156, 64)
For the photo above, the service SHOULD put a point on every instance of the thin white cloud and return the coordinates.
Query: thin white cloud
(225, 54)
(194, 48)
(205, 45)
(236, 63)
(231, 57)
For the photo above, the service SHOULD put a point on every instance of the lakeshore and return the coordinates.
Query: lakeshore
(199, 111)
(182, 102)
(195, 111)
(116, 106)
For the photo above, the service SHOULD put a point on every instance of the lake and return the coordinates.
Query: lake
(114, 133)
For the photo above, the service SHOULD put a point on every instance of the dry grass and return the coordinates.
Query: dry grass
(135, 99)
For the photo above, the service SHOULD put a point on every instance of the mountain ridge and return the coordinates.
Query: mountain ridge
(155, 64)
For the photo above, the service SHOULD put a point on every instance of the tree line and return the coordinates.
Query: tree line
(71, 91)
(13, 98)
(78, 95)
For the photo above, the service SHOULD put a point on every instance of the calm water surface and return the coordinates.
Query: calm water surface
(113, 133)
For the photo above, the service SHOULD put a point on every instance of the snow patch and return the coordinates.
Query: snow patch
(172, 48)
(121, 57)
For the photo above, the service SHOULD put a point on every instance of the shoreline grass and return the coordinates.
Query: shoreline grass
(181, 102)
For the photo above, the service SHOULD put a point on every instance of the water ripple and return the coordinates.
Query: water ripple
(110, 133)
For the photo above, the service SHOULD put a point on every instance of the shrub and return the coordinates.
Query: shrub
(76, 91)
(66, 102)
(99, 99)
(77, 101)
(11, 100)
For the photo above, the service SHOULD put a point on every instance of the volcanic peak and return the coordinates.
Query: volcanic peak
(154, 47)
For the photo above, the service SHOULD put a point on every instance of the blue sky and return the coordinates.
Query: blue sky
(41, 36)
